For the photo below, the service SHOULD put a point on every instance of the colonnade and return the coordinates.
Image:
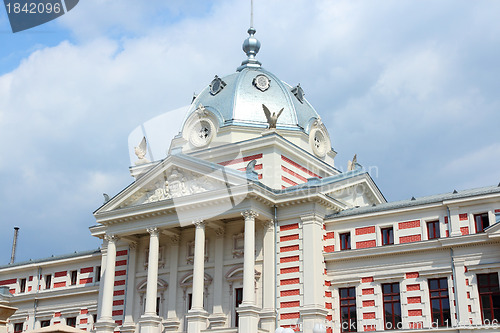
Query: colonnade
(197, 317)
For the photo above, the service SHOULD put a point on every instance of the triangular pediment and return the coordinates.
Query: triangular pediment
(175, 177)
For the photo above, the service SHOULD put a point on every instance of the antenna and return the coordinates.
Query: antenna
(251, 13)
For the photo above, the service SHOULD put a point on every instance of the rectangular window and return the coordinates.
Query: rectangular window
(22, 285)
(238, 298)
(489, 297)
(71, 321)
(440, 303)
(392, 306)
(482, 221)
(74, 276)
(348, 318)
(45, 323)
(18, 327)
(98, 273)
(433, 230)
(48, 281)
(345, 241)
(157, 306)
(387, 236)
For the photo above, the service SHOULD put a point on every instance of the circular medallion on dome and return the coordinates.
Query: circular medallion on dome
(262, 82)
(201, 133)
(318, 141)
(216, 85)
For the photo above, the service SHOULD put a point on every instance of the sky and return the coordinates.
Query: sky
(411, 87)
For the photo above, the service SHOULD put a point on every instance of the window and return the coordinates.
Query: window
(440, 304)
(45, 323)
(238, 298)
(48, 281)
(98, 273)
(387, 236)
(345, 241)
(190, 301)
(433, 230)
(392, 306)
(348, 309)
(157, 306)
(18, 327)
(74, 275)
(482, 221)
(489, 297)
(71, 321)
(22, 285)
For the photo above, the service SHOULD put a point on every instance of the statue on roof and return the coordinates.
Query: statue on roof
(140, 152)
(271, 119)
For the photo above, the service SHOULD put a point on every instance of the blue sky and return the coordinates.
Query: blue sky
(410, 86)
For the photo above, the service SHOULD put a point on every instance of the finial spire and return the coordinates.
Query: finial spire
(251, 45)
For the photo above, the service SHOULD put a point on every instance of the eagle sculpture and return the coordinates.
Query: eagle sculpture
(271, 119)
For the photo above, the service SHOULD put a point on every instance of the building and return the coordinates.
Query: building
(247, 225)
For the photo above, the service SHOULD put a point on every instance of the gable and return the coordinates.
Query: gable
(176, 176)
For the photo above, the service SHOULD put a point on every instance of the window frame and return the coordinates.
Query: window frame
(436, 227)
(351, 303)
(382, 238)
(441, 322)
(70, 321)
(490, 294)
(22, 285)
(481, 215)
(48, 281)
(345, 247)
(16, 327)
(73, 278)
(395, 299)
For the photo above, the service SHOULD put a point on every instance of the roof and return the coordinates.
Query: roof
(415, 202)
(53, 258)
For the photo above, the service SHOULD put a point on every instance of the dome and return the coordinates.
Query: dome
(237, 99)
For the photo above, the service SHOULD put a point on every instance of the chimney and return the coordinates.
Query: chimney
(14, 245)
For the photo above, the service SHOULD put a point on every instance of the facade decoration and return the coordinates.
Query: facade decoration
(237, 230)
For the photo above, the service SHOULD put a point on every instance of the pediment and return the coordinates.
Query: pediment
(175, 177)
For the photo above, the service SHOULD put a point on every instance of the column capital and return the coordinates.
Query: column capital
(132, 245)
(249, 214)
(175, 239)
(111, 238)
(267, 225)
(154, 232)
(199, 223)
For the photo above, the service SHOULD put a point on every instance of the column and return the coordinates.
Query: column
(172, 323)
(313, 310)
(129, 324)
(248, 312)
(150, 320)
(460, 292)
(197, 316)
(268, 313)
(105, 323)
(218, 318)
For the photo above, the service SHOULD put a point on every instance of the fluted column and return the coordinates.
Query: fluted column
(249, 258)
(105, 323)
(198, 265)
(128, 324)
(218, 318)
(152, 287)
(248, 312)
(268, 313)
(172, 323)
(197, 316)
(150, 320)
